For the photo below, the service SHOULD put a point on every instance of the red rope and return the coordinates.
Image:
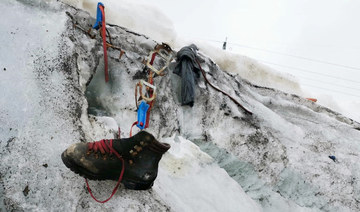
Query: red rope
(135, 123)
(114, 190)
(103, 32)
(153, 58)
(119, 133)
(151, 81)
(148, 114)
(236, 102)
(106, 146)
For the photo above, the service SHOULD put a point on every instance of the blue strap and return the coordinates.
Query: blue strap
(141, 115)
(98, 16)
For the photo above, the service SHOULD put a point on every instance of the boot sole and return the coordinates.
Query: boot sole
(129, 184)
(135, 185)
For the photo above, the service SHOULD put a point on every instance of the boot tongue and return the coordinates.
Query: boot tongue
(124, 146)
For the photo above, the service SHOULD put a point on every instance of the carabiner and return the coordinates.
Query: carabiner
(138, 88)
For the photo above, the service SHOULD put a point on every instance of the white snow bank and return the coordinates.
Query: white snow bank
(351, 109)
(252, 70)
(190, 181)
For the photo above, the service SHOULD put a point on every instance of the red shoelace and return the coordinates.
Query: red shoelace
(105, 146)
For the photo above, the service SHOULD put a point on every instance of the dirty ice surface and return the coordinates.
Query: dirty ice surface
(40, 102)
(36, 125)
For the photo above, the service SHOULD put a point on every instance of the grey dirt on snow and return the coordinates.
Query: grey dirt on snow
(55, 95)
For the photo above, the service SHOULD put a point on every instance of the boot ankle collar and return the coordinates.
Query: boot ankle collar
(158, 147)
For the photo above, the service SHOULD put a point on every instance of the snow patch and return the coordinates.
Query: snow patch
(191, 181)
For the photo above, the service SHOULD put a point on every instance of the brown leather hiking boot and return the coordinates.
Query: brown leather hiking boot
(103, 160)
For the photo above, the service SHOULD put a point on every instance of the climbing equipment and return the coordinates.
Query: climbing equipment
(122, 52)
(165, 53)
(99, 15)
(138, 89)
(100, 21)
(142, 111)
(236, 102)
(105, 147)
(144, 107)
(76, 25)
(162, 51)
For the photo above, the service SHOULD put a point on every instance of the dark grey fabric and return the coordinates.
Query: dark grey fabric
(187, 69)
